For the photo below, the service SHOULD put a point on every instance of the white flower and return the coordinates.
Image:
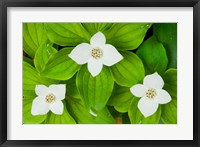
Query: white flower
(151, 94)
(96, 54)
(48, 98)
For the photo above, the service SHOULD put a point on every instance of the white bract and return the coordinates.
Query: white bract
(151, 94)
(96, 54)
(48, 98)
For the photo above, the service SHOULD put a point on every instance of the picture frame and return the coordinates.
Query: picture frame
(195, 4)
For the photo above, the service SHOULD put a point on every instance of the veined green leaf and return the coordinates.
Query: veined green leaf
(169, 110)
(34, 34)
(28, 60)
(65, 118)
(153, 55)
(79, 112)
(28, 118)
(127, 36)
(134, 113)
(170, 79)
(82, 115)
(42, 56)
(167, 34)
(121, 98)
(104, 117)
(129, 71)
(60, 66)
(96, 27)
(95, 91)
(72, 90)
(31, 78)
(67, 34)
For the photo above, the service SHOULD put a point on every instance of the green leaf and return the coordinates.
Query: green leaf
(31, 78)
(167, 34)
(153, 55)
(60, 66)
(82, 115)
(67, 34)
(72, 90)
(42, 56)
(28, 60)
(95, 91)
(79, 112)
(104, 117)
(121, 98)
(169, 110)
(93, 28)
(129, 71)
(153, 119)
(170, 79)
(34, 34)
(134, 113)
(127, 36)
(65, 118)
(28, 118)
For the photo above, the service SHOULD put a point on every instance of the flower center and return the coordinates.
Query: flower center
(97, 53)
(50, 98)
(151, 93)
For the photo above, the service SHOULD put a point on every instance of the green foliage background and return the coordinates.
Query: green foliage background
(146, 48)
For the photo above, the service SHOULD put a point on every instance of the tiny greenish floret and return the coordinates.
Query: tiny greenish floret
(50, 98)
(96, 54)
(151, 94)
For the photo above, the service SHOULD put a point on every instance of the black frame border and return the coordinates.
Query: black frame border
(4, 4)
